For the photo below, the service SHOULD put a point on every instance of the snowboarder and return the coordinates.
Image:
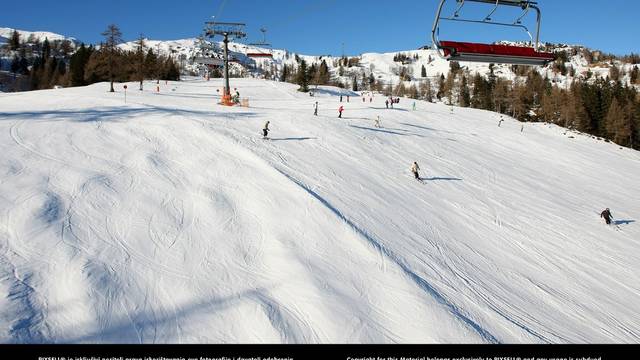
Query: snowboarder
(606, 214)
(378, 122)
(414, 169)
(414, 106)
(340, 110)
(386, 103)
(500, 122)
(265, 130)
(315, 109)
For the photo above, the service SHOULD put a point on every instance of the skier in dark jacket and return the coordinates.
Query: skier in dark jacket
(606, 214)
(414, 169)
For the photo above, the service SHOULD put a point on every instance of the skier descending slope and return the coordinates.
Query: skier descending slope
(315, 109)
(340, 110)
(377, 124)
(606, 214)
(265, 130)
(414, 169)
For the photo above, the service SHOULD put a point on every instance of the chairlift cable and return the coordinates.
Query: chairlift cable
(220, 9)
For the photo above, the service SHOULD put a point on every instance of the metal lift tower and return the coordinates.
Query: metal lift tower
(227, 30)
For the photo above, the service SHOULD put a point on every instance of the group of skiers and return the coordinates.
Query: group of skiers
(415, 168)
(391, 101)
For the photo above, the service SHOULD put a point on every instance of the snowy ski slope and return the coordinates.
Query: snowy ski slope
(169, 220)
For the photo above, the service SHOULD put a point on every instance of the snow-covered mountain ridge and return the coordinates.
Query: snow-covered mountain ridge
(381, 65)
(35, 35)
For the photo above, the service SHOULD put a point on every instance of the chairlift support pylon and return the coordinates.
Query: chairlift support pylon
(489, 53)
(227, 30)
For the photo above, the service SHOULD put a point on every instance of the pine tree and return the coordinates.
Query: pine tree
(401, 89)
(46, 49)
(23, 66)
(34, 76)
(172, 71)
(617, 126)
(634, 76)
(324, 75)
(113, 37)
(426, 91)
(423, 72)
(14, 40)
(15, 65)
(284, 75)
(140, 60)
(464, 98)
(77, 65)
(614, 73)
(97, 68)
(454, 67)
(449, 87)
(151, 65)
(66, 48)
(302, 78)
(441, 87)
(413, 92)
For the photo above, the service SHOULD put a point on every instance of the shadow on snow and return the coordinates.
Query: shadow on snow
(113, 114)
(387, 131)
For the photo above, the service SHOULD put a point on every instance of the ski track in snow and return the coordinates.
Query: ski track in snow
(170, 220)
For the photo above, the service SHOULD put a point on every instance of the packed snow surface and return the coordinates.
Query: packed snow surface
(168, 219)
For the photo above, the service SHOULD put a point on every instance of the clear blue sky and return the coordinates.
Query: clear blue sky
(322, 26)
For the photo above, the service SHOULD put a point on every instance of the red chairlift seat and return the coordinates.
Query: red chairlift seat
(485, 53)
(489, 53)
(259, 55)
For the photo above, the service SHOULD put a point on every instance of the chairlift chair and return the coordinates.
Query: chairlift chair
(259, 54)
(491, 53)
